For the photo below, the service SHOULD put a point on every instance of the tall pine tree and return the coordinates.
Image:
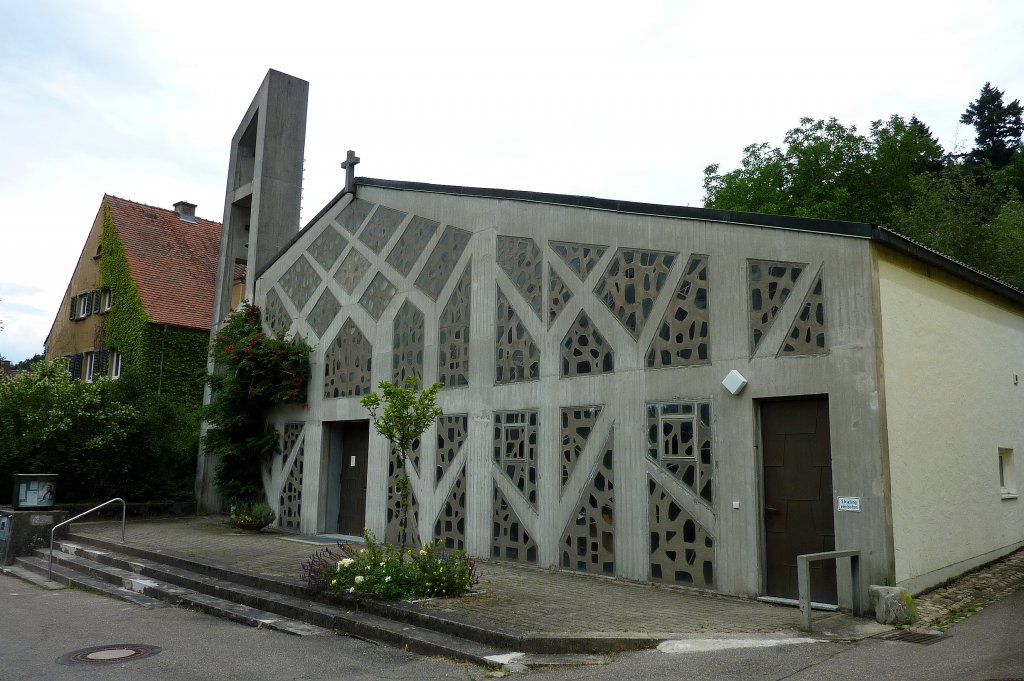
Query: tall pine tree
(998, 127)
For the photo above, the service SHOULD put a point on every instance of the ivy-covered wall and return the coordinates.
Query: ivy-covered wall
(166, 359)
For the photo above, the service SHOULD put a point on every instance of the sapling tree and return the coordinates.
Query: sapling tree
(401, 414)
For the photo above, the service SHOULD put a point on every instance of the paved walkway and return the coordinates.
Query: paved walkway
(519, 598)
(973, 591)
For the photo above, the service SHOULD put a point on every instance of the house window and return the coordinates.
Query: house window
(106, 300)
(84, 305)
(90, 366)
(115, 365)
(1007, 484)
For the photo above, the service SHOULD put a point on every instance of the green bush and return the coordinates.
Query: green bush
(251, 513)
(387, 572)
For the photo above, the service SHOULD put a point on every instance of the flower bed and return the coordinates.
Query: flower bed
(386, 572)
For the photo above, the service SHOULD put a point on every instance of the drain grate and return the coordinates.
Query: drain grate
(907, 636)
(109, 654)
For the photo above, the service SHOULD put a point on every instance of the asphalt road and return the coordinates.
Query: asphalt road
(37, 627)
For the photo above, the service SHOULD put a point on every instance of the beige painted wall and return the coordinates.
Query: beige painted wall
(950, 356)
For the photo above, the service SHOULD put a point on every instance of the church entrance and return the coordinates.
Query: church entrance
(798, 503)
(346, 506)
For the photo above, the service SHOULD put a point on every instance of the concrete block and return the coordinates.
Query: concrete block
(892, 604)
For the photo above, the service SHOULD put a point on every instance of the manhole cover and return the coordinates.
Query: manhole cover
(116, 652)
(907, 636)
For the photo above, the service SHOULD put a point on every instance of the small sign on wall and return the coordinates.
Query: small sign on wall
(849, 504)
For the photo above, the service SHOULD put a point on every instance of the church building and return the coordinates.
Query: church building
(649, 392)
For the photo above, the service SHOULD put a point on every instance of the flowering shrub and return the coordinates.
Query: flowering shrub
(386, 572)
(253, 373)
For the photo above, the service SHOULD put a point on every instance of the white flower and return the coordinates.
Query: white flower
(423, 552)
(351, 589)
(334, 582)
(382, 563)
(360, 579)
(345, 562)
(388, 578)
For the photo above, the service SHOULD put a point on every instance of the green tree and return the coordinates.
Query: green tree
(828, 170)
(402, 414)
(52, 424)
(29, 363)
(997, 126)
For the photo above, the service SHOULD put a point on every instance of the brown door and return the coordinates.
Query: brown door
(797, 495)
(355, 438)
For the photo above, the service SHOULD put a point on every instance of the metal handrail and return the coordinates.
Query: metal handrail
(124, 513)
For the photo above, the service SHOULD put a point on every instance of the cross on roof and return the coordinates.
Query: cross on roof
(349, 164)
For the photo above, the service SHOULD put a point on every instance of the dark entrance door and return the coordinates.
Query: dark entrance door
(355, 438)
(797, 495)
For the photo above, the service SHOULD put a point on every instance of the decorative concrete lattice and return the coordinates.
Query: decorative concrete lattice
(276, 319)
(354, 214)
(518, 358)
(300, 281)
(577, 424)
(323, 313)
(351, 270)
(451, 433)
(411, 244)
(348, 363)
(521, 259)
(393, 530)
(631, 285)
(377, 295)
(291, 493)
(453, 334)
(588, 544)
(442, 261)
(327, 247)
(559, 296)
(770, 284)
(682, 552)
(679, 439)
(684, 337)
(381, 227)
(585, 351)
(581, 258)
(510, 538)
(407, 354)
(450, 528)
(807, 335)
(515, 449)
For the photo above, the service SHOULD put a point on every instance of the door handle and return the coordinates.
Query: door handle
(768, 510)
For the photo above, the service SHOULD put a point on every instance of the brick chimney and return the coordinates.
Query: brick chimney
(186, 211)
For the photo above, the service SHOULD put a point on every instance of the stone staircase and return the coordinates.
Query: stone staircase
(151, 580)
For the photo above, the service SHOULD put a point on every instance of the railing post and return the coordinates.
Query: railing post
(803, 581)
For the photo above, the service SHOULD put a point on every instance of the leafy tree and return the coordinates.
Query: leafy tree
(828, 170)
(29, 363)
(50, 423)
(402, 414)
(997, 125)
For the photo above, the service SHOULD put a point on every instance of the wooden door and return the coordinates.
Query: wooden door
(797, 495)
(355, 438)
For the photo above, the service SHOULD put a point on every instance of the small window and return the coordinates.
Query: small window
(1007, 484)
(106, 300)
(90, 366)
(115, 365)
(84, 305)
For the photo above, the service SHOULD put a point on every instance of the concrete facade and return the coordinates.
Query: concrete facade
(582, 344)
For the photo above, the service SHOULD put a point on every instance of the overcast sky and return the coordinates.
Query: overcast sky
(623, 100)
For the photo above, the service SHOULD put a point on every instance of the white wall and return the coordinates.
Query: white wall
(950, 357)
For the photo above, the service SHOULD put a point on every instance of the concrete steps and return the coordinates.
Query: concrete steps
(152, 580)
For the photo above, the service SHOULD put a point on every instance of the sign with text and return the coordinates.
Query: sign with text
(849, 504)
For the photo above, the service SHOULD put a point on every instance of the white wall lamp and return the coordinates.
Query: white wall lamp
(734, 382)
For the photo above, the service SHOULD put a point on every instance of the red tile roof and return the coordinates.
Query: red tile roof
(173, 261)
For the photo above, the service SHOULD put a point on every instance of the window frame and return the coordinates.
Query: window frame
(107, 299)
(116, 367)
(89, 366)
(1007, 485)
(84, 306)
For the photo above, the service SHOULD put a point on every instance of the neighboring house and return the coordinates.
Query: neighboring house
(6, 370)
(141, 298)
(583, 344)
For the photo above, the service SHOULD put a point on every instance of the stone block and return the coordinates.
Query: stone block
(27, 530)
(893, 605)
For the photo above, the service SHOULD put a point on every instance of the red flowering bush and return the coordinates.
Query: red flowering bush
(254, 372)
